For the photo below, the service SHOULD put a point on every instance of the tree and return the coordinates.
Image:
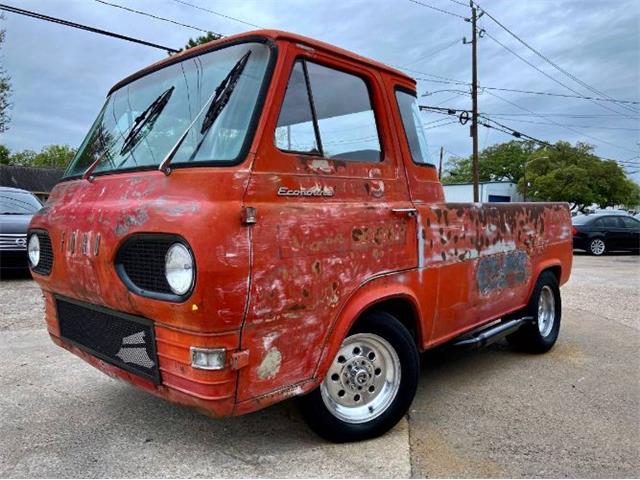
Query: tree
(52, 156)
(557, 173)
(5, 91)
(194, 42)
(504, 161)
(5, 155)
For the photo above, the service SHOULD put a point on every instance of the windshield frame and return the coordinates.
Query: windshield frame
(253, 122)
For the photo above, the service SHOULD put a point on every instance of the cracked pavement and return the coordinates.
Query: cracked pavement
(574, 412)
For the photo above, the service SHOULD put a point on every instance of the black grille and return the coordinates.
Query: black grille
(46, 253)
(142, 259)
(120, 339)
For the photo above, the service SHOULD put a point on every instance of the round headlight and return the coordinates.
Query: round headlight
(33, 249)
(179, 268)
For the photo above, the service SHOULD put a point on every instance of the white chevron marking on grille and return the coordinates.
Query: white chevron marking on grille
(137, 355)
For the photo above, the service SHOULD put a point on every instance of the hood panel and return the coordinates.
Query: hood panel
(89, 221)
(14, 223)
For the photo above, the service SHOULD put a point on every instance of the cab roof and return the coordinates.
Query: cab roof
(274, 35)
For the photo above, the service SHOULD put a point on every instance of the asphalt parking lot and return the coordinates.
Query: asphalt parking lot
(574, 412)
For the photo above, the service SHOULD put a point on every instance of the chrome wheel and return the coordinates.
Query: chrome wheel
(546, 311)
(597, 246)
(363, 379)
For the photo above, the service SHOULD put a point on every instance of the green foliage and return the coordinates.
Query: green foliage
(499, 162)
(194, 42)
(5, 91)
(52, 156)
(561, 173)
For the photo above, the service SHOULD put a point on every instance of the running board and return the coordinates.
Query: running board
(489, 335)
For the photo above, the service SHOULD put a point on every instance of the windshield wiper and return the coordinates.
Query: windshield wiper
(217, 101)
(145, 119)
(151, 114)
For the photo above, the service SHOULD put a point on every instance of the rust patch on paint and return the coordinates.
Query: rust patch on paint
(497, 272)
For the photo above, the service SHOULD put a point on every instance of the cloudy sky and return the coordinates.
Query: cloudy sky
(60, 75)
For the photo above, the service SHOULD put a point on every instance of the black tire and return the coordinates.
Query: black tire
(597, 247)
(530, 338)
(320, 418)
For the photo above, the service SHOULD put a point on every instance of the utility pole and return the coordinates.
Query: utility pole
(440, 166)
(474, 97)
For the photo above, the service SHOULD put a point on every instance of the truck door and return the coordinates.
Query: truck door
(324, 185)
(454, 310)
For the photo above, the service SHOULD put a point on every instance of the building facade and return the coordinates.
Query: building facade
(488, 192)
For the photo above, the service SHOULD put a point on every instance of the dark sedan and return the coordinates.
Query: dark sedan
(602, 233)
(16, 209)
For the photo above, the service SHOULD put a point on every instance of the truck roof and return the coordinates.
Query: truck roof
(270, 34)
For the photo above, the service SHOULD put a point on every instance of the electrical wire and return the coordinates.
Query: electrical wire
(560, 125)
(435, 52)
(68, 23)
(437, 9)
(535, 67)
(497, 126)
(218, 13)
(156, 17)
(545, 58)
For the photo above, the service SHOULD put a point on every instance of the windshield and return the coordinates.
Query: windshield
(142, 121)
(18, 203)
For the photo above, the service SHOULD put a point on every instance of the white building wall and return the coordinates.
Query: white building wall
(464, 192)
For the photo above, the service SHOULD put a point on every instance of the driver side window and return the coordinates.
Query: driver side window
(328, 112)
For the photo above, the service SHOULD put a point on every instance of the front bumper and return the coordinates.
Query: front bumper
(14, 260)
(212, 392)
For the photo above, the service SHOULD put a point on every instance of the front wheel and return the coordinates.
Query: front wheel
(369, 385)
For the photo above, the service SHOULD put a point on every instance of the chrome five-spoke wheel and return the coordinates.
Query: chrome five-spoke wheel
(363, 379)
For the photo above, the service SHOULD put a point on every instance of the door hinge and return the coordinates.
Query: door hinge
(239, 359)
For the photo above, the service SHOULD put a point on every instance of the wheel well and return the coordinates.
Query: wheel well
(402, 309)
(556, 270)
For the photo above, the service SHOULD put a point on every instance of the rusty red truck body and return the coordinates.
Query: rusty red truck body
(257, 218)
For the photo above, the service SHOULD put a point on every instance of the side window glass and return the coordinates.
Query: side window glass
(335, 119)
(598, 223)
(612, 222)
(630, 222)
(346, 120)
(295, 131)
(412, 123)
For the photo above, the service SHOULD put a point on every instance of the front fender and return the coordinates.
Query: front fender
(366, 296)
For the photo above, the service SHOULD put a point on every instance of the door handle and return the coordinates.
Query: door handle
(409, 212)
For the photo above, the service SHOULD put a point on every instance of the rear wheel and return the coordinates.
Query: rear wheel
(597, 246)
(369, 385)
(546, 309)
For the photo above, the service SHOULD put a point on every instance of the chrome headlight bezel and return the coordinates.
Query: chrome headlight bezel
(179, 268)
(141, 265)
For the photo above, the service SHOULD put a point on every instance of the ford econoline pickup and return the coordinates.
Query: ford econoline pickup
(258, 218)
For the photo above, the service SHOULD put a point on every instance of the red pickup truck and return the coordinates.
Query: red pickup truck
(258, 218)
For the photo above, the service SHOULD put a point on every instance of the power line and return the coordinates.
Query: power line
(68, 23)
(217, 13)
(576, 126)
(435, 52)
(146, 14)
(500, 126)
(560, 125)
(545, 58)
(535, 67)
(437, 9)
(452, 81)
